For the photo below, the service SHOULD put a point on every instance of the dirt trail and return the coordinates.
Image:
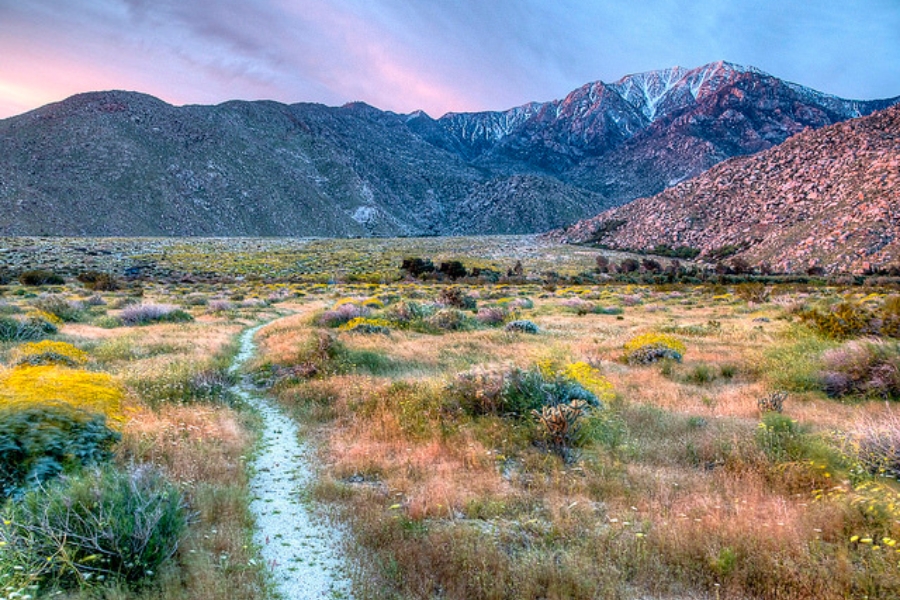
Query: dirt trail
(301, 548)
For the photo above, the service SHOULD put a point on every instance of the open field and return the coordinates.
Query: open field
(516, 438)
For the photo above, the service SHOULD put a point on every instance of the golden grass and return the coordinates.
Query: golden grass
(687, 503)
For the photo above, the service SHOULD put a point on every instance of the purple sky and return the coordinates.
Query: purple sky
(436, 55)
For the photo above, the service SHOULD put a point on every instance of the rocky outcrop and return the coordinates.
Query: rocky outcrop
(828, 198)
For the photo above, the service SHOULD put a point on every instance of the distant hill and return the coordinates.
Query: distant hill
(828, 198)
(128, 164)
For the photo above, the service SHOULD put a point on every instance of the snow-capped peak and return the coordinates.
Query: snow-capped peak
(649, 91)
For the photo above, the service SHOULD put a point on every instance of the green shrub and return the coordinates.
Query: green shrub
(781, 438)
(523, 326)
(513, 391)
(97, 525)
(42, 441)
(14, 329)
(57, 305)
(699, 375)
(795, 365)
(40, 277)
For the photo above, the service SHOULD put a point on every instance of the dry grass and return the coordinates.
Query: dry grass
(684, 503)
(673, 493)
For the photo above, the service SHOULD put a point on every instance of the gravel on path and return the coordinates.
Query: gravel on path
(301, 549)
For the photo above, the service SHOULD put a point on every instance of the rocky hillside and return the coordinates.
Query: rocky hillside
(122, 163)
(828, 198)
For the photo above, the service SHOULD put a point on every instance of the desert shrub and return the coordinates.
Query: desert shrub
(417, 266)
(55, 304)
(757, 292)
(366, 325)
(219, 305)
(513, 392)
(320, 353)
(48, 353)
(143, 314)
(32, 327)
(342, 313)
(652, 347)
(456, 298)
(491, 316)
(862, 367)
(449, 319)
(700, 374)
(41, 441)
(27, 386)
(578, 305)
(522, 326)
(453, 269)
(843, 320)
(98, 281)
(196, 299)
(404, 314)
(95, 300)
(97, 525)
(40, 277)
(589, 378)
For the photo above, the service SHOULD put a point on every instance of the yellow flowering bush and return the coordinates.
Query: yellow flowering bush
(42, 315)
(591, 379)
(366, 325)
(375, 303)
(651, 347)
(49, 352)
(28, 386)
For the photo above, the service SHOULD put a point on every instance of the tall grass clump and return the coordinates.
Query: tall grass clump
(876, 445)
(98, 525)
(180, 382)
(794, 363)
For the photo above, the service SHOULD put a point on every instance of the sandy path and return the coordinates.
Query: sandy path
(301, 549)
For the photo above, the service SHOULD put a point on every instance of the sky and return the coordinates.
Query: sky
(436, 55)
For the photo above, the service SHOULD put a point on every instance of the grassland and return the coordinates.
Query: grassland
(444, 443)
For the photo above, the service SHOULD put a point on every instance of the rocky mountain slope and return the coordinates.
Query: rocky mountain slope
(828, 198)
(122, 163)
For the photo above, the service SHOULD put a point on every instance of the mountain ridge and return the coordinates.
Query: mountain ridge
(125, 163)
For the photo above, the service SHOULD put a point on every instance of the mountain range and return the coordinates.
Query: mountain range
(127, 164)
